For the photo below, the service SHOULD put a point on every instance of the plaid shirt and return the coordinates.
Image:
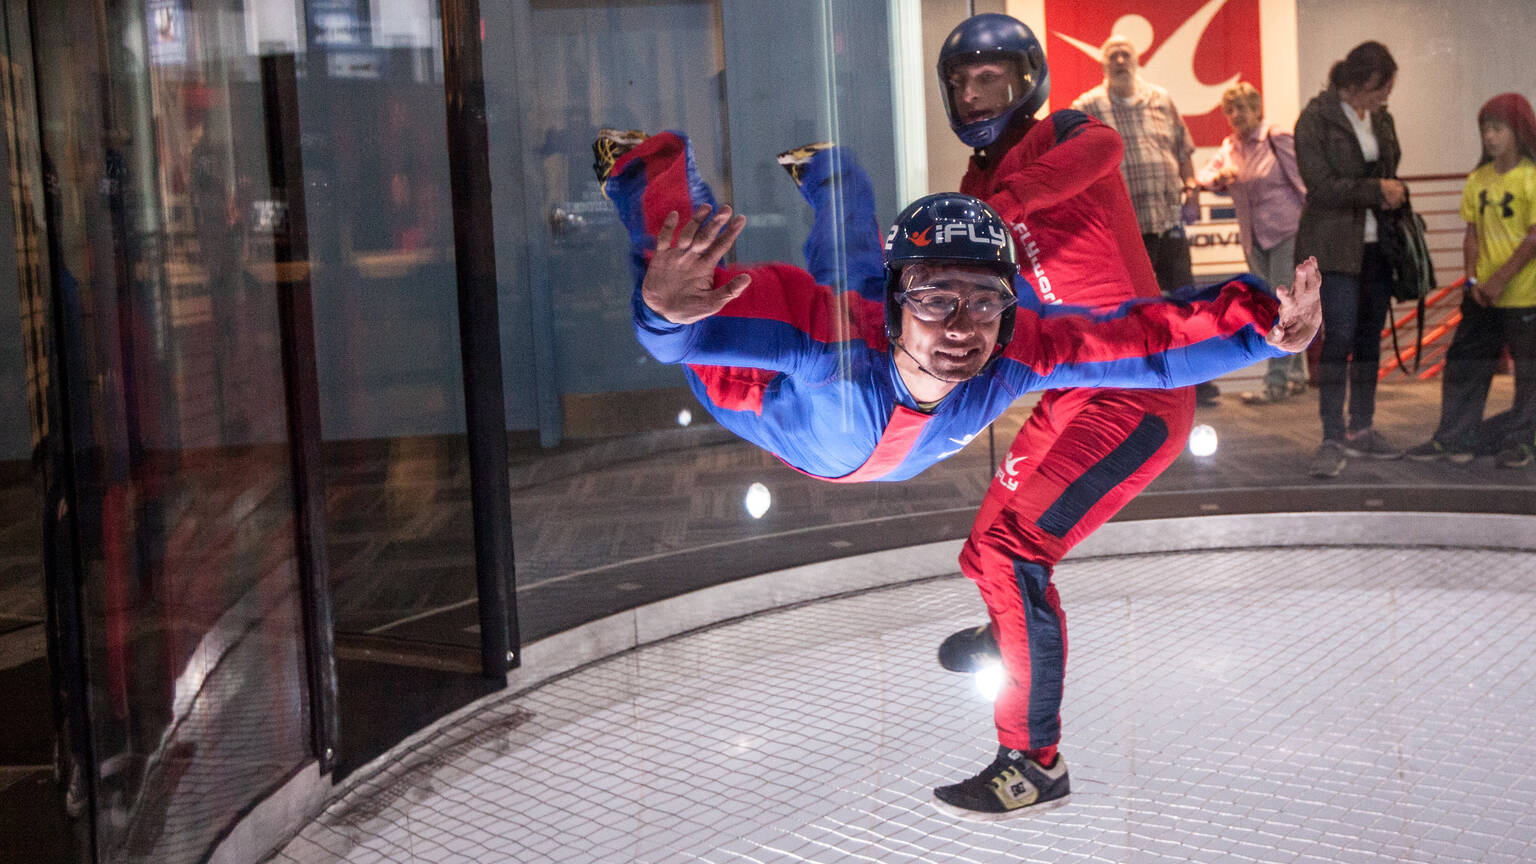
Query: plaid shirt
(1156, 142)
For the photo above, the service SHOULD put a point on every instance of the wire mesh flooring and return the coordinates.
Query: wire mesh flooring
(1266, 705)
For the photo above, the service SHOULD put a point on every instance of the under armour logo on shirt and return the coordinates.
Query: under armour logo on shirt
(1483, 202)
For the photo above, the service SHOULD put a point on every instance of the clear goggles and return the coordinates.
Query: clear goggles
(934, 294)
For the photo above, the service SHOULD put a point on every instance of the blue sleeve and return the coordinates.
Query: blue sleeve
(781, 322)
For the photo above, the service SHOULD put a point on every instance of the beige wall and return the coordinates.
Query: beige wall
(1452, 55)
(947, 157)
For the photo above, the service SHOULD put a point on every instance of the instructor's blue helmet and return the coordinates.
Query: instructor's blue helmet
(994, 37)
(948, 228)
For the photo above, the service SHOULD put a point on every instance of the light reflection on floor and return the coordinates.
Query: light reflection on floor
(1273, 705)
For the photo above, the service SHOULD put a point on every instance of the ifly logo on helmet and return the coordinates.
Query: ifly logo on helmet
(968, 231)
(947, 233)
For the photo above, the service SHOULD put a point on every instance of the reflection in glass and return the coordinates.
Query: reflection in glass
(166, 221)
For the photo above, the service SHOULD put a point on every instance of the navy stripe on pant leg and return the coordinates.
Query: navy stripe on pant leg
(1047, 654)
(1123, 461)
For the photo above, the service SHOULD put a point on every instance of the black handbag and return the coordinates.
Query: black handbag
(1400, 233)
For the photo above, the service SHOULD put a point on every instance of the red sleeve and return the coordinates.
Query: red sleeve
(1083, 152)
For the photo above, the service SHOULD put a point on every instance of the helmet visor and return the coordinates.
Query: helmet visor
(985, 84)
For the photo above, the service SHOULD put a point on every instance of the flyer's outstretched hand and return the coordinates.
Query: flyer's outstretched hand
(1301, 310)
(679, 284)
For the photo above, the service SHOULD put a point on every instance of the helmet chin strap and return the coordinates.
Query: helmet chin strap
(924, 369)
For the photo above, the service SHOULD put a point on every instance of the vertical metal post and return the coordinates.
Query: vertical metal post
(301, 388)
(65, 491)
(480, 333)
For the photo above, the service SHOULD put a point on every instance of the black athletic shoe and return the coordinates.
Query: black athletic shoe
(1431, 450)
(1517, 456)
(1012, 785)
(795, 159)
(969, 649)
(1370, 444)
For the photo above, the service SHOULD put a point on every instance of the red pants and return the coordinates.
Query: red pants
(1081, 456)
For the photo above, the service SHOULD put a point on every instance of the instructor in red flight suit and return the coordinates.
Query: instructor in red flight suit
(1082, 454)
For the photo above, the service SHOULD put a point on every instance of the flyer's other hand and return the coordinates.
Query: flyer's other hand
(1301, 309)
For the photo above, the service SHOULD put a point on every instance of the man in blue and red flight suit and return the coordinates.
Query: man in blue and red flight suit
(847, 387)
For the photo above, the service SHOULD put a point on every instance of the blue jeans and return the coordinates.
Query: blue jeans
(1354, 310)
(1169, 253)
(1276, 266)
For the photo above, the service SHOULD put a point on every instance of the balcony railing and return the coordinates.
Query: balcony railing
(1216, 252)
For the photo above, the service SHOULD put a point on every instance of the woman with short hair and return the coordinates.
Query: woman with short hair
(1256, 166)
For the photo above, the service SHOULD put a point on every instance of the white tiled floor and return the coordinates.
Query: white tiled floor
(1273, 705)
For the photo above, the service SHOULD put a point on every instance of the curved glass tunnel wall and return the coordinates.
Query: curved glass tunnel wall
(624, 489)
(174, 598)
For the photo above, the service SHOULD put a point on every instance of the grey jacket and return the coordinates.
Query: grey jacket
(1338, 188)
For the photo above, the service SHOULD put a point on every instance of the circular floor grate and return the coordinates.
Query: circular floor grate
(1273, 705)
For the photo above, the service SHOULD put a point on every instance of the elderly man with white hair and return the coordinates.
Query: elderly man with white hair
(1157, 166)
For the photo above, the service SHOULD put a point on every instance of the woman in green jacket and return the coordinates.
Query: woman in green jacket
(1347, 150)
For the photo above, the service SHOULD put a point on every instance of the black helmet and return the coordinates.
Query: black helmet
(947, 227)
(992, 36)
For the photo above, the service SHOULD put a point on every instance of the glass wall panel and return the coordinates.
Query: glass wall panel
(32, 814)
(372, 115)
(154, 139)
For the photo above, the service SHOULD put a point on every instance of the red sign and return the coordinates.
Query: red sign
(1194, 48)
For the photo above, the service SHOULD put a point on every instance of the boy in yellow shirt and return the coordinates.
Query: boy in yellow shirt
(1499, 310)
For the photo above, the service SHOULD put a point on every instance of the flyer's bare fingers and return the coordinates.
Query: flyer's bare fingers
(690, 228)
(711, 229)
(668, 228)
(1308, 279)
(733, 288)
(722, 242)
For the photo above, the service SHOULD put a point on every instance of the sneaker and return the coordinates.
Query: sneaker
(1431, 450)
(1207, 393)
(969, 649)
(1329, 460)
(1517, 456)
(1295, 388)
(1012, 785)
(795, 159)
(1370, 444)
(1267, 396)
(609, 146)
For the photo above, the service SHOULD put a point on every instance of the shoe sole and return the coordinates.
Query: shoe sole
(1261, 400)
(609, 146)
(1362, 454)
(1328, 475)
(974, 660)
(979, 816)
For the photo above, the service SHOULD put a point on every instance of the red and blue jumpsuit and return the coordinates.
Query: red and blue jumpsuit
(804, 370)
(1082, 454)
